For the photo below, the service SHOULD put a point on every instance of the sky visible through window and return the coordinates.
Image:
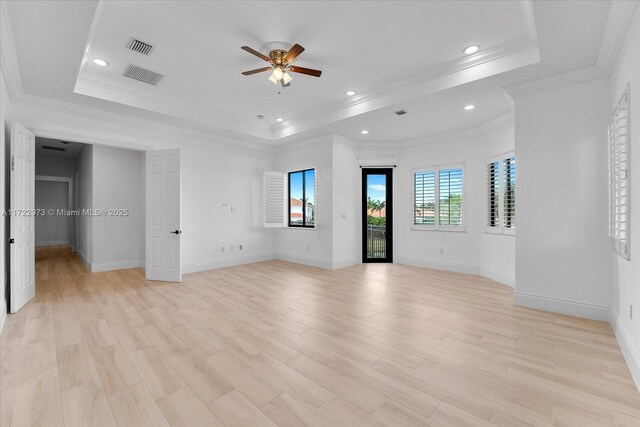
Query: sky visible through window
(376, 186)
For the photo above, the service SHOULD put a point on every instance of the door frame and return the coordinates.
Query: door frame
(388, 172)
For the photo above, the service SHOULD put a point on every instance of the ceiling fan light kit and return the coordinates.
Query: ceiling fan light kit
(280, 61)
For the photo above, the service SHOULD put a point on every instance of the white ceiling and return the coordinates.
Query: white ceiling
(393, 53)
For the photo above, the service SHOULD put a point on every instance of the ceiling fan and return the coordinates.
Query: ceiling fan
(280, 61)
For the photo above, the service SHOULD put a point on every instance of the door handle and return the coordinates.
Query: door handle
(12, 241)
(176, 232)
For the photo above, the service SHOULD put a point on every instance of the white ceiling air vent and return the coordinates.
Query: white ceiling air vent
(142, 74)
(139, 46)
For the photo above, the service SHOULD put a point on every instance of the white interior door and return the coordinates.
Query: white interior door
(163, 216)
(22, 219)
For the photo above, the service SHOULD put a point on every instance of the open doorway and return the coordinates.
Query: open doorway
(377, 218)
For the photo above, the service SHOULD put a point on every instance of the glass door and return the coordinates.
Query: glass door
(377, 215)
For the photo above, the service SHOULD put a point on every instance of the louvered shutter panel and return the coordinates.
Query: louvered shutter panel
(424, 200)
(509, 192)
(493, 191)
(274, 199)
(620, 164)
(450, 193)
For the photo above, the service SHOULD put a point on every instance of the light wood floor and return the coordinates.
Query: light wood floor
(278, 343)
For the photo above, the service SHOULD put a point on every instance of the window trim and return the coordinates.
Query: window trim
(437, 226)
(304, 224)
(500, 228)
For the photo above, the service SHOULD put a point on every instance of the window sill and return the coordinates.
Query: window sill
(288, 227)
(446, 230)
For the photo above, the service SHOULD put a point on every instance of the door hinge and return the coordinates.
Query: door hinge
(13, 162)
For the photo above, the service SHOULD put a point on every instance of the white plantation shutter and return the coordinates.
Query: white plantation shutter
(509, 193)
(619, 162)
(424, 198)
(274, 199)
(450, 197)
(493, 195)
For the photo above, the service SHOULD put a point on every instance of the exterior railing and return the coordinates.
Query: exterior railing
(376, 241)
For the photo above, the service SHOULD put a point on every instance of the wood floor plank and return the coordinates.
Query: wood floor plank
(233, 409)
(38, 405)
(155, 371)
(183, 408)
(87, 406)
(276, 343)
(134, 407)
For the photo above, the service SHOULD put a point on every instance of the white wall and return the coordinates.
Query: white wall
(85, 201)
(472, 251)
(51, 230)
(563, 257)
(626, 274)
(312, 246)
(51, 164)
(118, 183)
(5, 105)
(216, 171)
(347, 208)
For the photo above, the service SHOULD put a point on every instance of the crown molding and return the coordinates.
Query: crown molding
(8, 57)
(137, 98)
(568, 78)
(493, 124)
(56, 106)
(621, 14)
(498, 59)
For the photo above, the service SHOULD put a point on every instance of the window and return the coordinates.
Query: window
(302, 198)
(619, 162)
(437, 201)
(501, 195)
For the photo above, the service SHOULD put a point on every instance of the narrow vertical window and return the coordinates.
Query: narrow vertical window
(302, 198)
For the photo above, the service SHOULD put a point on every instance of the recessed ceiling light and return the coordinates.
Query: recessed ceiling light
(279, 119)
(364, 132)
(469, 50)
(469, 107)
(100, 62)
(350, 92)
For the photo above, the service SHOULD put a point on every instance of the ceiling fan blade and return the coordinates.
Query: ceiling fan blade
(256, 53)
(256, 71)
(293, 53)
(307, 71)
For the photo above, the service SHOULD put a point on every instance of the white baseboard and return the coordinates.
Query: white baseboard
(440, 265)
(345, 262)
(498, 276)
(3, 314)
(98, 267)
(629, 350)
(52, 243)
(84, 260)
(563, 306)
(310, 261)
(227, 262)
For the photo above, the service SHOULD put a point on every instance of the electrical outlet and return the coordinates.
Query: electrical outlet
(221, 248)
(232, 248)
(630, 311)
(441, 251)
(307, 247)
(239, 247)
